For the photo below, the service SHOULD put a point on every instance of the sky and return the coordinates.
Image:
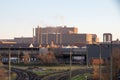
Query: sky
(19, 17)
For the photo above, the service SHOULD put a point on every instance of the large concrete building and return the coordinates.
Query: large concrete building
(63, 36)
(58, 35)
(57, 29)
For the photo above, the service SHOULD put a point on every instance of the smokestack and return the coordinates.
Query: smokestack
(56, 37)
(46, 36)
(33, 35)
(38, 35)
(60, 37)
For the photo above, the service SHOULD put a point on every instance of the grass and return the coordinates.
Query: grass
(4, 74)
(51, 69)
(63, 67)
(13, 76)
(81, 77)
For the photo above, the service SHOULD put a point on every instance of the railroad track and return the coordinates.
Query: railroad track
(24, 75)
(74, 73)
(20, 74)
(65, 75)
(62, 75)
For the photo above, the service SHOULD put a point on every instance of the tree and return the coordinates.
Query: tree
(47, 58)
(3, 75)
(26, 58)
(95, 72)
(115, 65)
(0, 60)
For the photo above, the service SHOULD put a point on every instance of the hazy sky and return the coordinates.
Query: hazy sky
(18, 17)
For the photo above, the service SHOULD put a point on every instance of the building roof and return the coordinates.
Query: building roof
(17, 45)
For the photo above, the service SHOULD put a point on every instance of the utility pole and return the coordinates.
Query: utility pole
(19, 55)
(111, 63)
(87, 57)
(70, 63)
(9, 63)
(100, 62)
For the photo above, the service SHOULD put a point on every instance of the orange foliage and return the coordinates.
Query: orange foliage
(2, 74)
(115, 65)
(95, 72)
(47, 58)
(97, 61)
(26, 58)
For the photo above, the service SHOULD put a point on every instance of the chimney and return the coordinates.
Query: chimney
(33, 35)
(46, 36)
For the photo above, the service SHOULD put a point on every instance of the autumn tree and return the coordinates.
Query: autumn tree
(95, 75)
(3, 75)
(1, 60)
(26, 58)
(115, 58)
(47, 58)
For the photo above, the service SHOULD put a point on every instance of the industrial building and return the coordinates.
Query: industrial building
(62, 36)
(58, 35)
(23, 40)
(18, 51)
(79, 55)
(88, 47)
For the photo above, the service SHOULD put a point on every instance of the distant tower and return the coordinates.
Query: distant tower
(107, 37)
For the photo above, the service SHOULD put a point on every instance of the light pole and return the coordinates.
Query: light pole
(87, 57)
(100, 62)
(70, 63)
(111, 63)
(19, 55)
(9, 55)
(9, 63)
(85, 77)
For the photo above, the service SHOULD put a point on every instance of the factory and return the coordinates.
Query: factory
(64, 42)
